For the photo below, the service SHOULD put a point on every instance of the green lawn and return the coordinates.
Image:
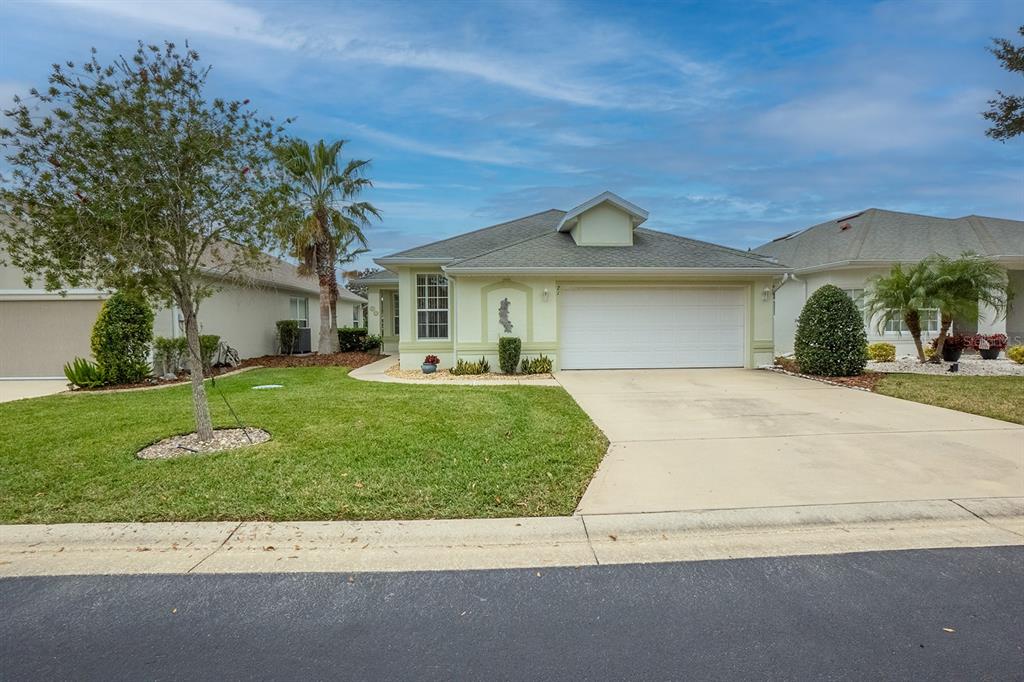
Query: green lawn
(341, 449)
(997, 397)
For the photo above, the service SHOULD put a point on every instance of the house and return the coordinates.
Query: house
(41, 330)
(588, 287)
(847, 252)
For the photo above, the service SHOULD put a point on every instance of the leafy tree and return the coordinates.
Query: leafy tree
(901, 295)
(1006, 112)
(125, 176)
(830, 337)
(959, 285)
(325, 218)
(352, 275)
(121, 338)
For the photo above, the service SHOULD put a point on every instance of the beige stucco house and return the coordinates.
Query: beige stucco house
(849, 251)
(588, 287)
(40, 331)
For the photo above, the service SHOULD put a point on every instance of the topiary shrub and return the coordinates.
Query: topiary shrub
(509, 350)
(121, 338)
(882, 352)
(1016, 353)
(830, 337)
(287, 336)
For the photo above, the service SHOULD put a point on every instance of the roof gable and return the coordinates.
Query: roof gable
(637, 214)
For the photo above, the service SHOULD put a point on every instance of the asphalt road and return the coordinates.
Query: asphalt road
(938, 614)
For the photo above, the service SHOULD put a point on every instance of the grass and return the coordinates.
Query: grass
(341, 449)
(996, 397)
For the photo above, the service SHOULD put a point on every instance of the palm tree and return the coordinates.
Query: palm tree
(327, 218)
(960, 286)
(901, 295)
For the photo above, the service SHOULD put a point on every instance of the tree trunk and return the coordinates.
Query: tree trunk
(940, 343)
(327, 342)
(913, 321)
(200, 406)
(334, 304)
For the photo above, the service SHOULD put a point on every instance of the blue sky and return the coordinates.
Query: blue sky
(733, 122)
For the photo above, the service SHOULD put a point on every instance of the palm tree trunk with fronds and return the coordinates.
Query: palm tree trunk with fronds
(913, 321)
(947, 320)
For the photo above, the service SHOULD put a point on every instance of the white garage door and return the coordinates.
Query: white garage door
(623, 328)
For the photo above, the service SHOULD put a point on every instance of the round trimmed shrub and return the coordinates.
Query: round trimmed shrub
(882, 352)
(830, 336)
(121, 338)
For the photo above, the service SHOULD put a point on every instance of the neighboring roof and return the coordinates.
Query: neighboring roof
(877, 235)
(376, 278)
(482, 240)
(650, 249)
(278, 273)
(638, 214)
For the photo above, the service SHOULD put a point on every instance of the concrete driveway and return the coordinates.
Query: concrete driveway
(731, 438)
(16, 389)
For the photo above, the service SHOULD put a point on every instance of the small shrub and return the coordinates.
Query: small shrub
(431, 360)
(830, 337)
(208, 344)
(287, 335)
(1016, 353)
(83, 373)
(352, 339)
(539, 365)
(169, 355)
(929, 352)
(509, 350)
(882, 352)
(463, 367)
(121, 338)
(371, 343)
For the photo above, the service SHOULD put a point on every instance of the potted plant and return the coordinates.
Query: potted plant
(430, 364)
(953, 347)
(989, 345)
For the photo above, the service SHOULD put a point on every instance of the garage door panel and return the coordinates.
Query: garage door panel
(621, 328)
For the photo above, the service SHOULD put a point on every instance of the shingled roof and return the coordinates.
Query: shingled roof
(534, 242)
(877, 235)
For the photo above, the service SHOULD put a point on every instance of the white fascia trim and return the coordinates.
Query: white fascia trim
(725, 272)
(43, 295)
(386, 261)
(569, 219)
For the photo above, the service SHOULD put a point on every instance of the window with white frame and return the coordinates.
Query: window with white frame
(431, 307)
(300, 311)
(858, 298)
(357, 315)
(930, 322)
(394, 313)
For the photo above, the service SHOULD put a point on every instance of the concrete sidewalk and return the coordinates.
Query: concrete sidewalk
(342, 546)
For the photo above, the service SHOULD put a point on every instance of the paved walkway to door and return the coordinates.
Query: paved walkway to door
(690, 439)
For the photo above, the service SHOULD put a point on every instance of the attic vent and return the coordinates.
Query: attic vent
(849, 217)
(844, 227)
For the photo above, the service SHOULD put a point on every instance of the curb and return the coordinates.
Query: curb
(354, 546)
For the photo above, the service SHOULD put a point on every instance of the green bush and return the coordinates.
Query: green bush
(830, 337)
(170, 355)
(539, 365)
(1016, 353)
(287, 335)
(121, 338)
(208, 344)
(352, 339)
(882, 352)
(83, 373)
(371, 343)
(509, 350)
(463, 367)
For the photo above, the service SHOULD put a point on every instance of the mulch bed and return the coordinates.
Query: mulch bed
(866, 381)
(352, 360)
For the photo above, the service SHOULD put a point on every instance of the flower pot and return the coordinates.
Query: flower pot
(988, 353)
(428, 368)
(951, 354)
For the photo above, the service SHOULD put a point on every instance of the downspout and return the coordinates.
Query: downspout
(453, 318)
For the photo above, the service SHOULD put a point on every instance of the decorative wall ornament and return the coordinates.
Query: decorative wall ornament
(506, 324)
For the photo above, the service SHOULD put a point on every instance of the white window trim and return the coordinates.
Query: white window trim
(935, 317)
(300, 302)
(446, 310)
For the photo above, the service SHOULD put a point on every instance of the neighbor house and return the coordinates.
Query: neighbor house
(849, 251)
(41, 330)
(588, 287)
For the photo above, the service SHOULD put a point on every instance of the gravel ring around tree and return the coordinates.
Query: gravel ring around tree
(188, 444)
